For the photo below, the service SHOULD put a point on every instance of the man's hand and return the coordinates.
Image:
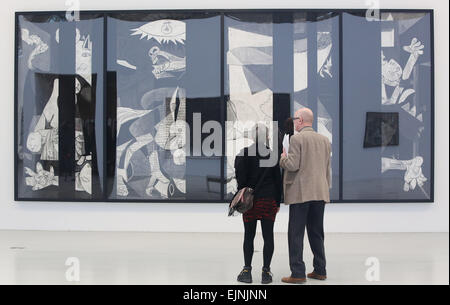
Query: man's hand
(284, 153)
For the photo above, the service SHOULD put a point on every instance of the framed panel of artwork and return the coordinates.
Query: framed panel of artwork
(388, 68)
(59, 71)
(162, 69)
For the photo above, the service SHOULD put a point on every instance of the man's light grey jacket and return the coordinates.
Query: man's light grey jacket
(307, 175)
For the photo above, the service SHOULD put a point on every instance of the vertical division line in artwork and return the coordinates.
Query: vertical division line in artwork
(341, 101)
(16, 121)
(431, 12)
(223, 105)
(105, 112)
(66, 111)
(311, 34)
(283, 69)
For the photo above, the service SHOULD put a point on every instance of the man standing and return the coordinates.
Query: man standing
(306, 190)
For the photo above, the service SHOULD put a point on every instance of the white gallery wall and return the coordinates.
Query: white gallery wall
(171, 217)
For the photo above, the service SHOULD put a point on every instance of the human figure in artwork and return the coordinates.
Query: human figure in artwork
(44, 137)
(413, 171)
(392, 73)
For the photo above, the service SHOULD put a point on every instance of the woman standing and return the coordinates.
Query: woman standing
(266, 205)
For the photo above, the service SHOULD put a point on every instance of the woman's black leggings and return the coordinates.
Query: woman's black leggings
(249, 236)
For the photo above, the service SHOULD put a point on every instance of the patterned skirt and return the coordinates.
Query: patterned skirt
(263, 208)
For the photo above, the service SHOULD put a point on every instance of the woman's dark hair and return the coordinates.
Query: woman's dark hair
(288, 127)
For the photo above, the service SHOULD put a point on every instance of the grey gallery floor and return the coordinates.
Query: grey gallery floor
(36, 257)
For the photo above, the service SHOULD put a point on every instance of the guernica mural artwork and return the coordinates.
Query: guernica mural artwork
(104, 104)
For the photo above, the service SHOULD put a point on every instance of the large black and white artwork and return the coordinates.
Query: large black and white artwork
(389, 72)
(155, 105)
(153, 88)
(249, 83)
(56, 96)
(251, 51)
(150, 63)
(405, 71)
(316, 77)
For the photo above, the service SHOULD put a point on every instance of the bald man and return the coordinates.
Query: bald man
(306, 190)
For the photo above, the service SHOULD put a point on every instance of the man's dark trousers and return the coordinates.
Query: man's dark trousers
(310, 215)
